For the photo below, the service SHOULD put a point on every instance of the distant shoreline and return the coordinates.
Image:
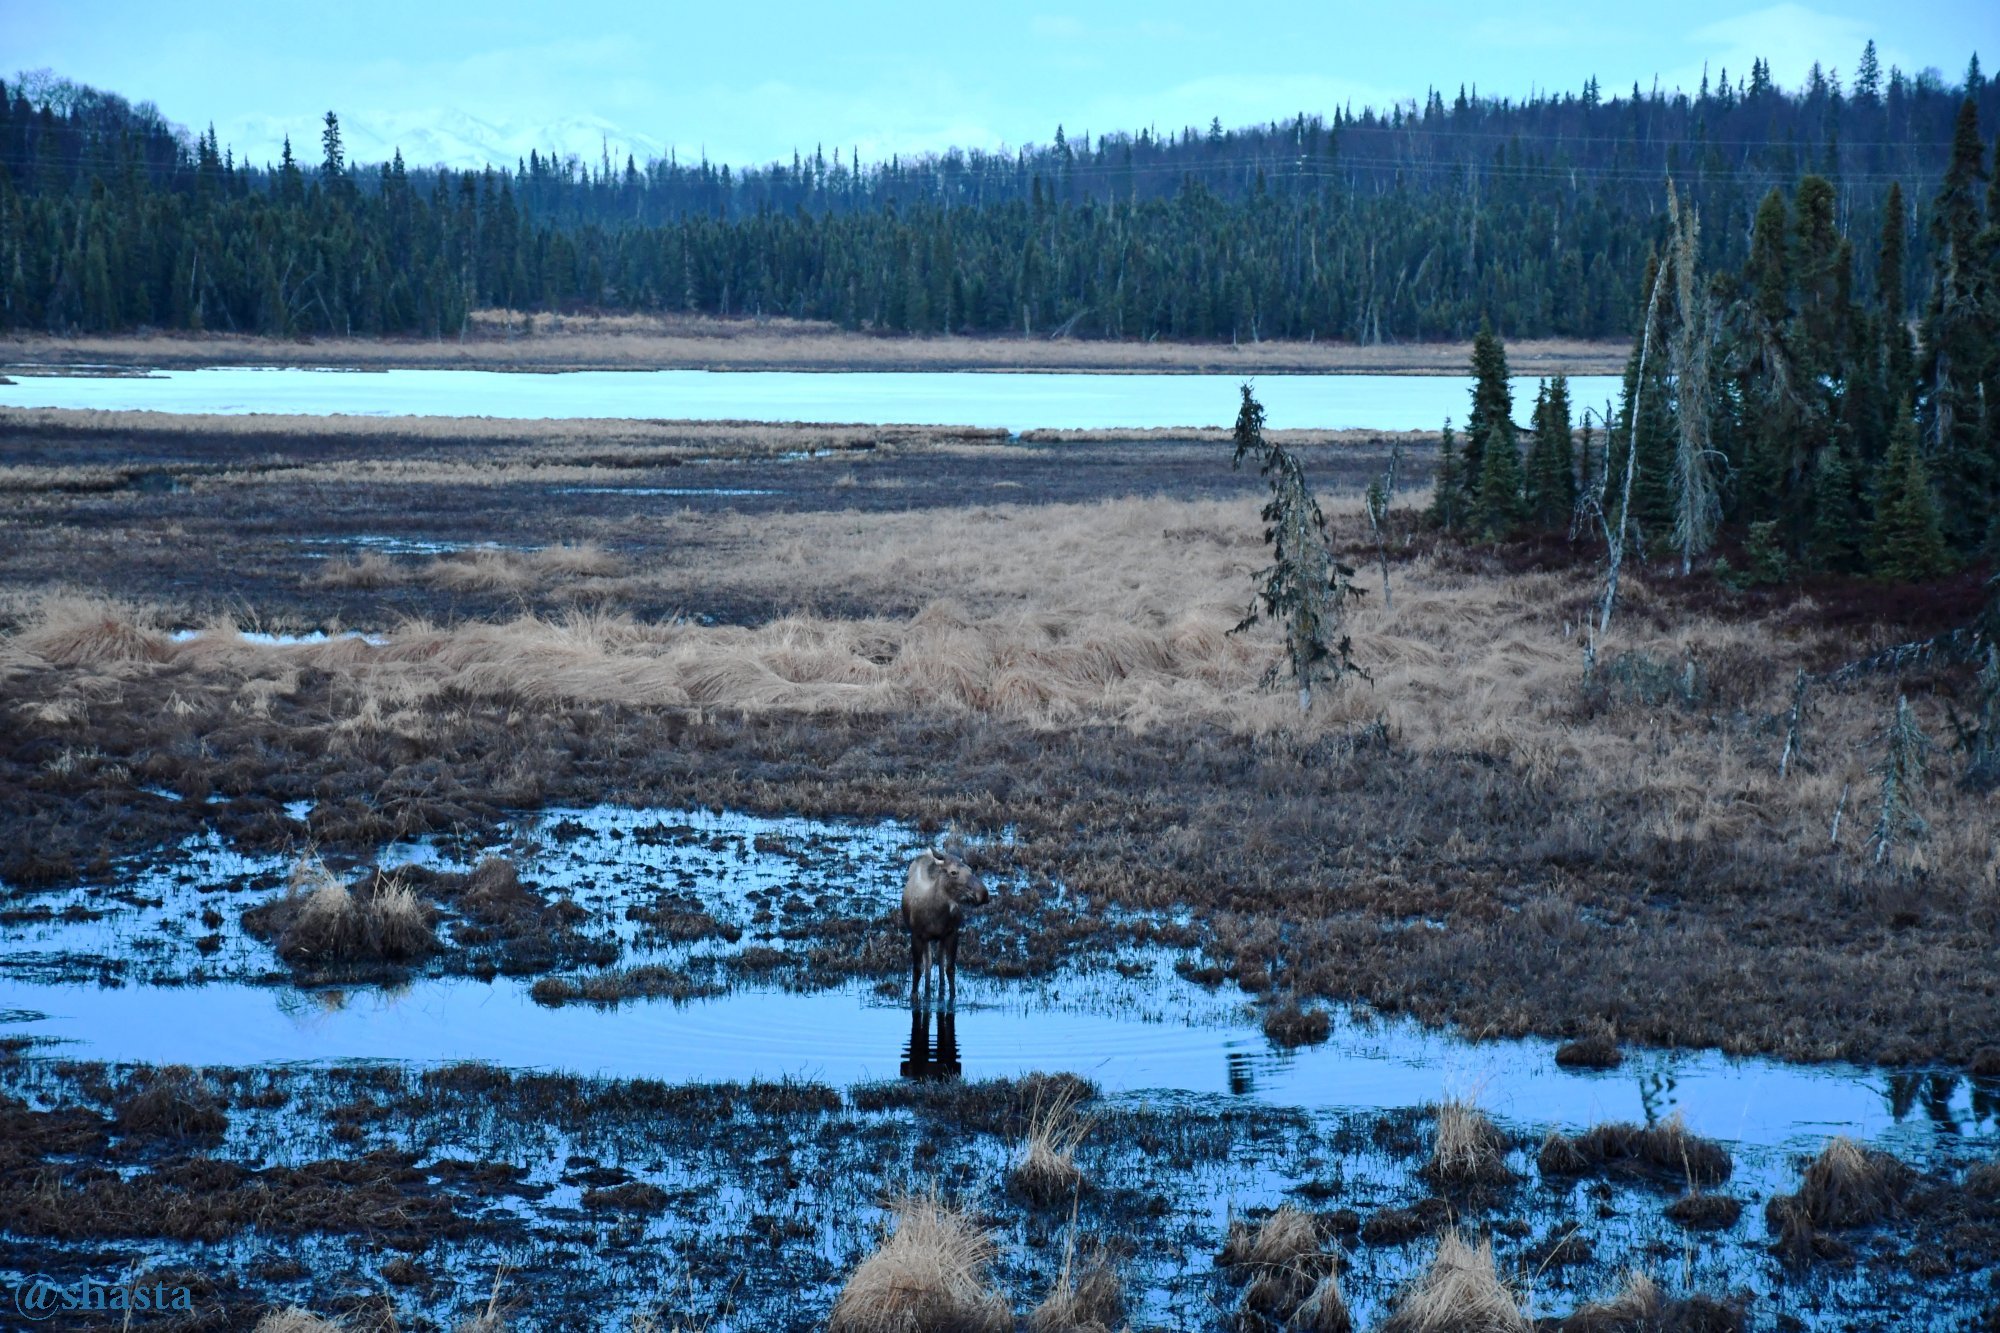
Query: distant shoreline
(499, 343)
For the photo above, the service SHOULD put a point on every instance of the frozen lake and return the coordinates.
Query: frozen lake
(1014, 402)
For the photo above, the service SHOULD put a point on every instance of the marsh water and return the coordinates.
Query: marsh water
(1136, 1028)
(1009, 401)
(152, 967)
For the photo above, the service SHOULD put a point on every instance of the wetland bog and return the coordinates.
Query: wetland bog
(638, 722)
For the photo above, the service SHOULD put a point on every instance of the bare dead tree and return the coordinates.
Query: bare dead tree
(1697, 499)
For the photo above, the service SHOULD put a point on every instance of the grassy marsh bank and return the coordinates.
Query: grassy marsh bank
(502, 340)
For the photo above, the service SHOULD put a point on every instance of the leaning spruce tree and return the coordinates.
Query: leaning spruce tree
(1304, 590)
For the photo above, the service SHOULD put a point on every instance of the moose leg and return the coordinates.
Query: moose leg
(951, 966)
(918, 957)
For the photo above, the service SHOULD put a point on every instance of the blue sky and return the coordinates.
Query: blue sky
(749, 82)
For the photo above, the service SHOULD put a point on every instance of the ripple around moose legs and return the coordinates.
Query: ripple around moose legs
(1184, 1040)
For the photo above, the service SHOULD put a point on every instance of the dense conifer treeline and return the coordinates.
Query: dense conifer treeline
(1538, 215)
(1783, 395)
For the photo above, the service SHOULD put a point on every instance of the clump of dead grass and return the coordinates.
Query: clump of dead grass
(1847, 1185)
(1666, 1150)
(1087, 1296)
(1640, 1306)
(321, 919)
(928, 1275)
(581, 560)
(171, 1102)
(1460, 1292)
(1596, 1050)
(1288, 1023)
(1469, 1148)
(1047, 1172)
(1287, 1269)
(293, 1319)
(69, 630)
(370, 569)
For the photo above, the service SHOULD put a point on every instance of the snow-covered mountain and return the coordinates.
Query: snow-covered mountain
(444, 137)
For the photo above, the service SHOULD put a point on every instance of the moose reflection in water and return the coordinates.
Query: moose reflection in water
(937, 892)
(927, 1059)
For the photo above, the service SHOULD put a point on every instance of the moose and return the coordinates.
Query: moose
(936, 893)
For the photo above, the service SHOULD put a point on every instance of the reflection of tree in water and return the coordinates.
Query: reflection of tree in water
(1656, 1091)
(1985, 1099)
(927, 1059)
(1934, 1090)
(1246, 1067)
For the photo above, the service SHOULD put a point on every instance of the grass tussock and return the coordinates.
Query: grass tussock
(322, 920)
(1847, 1185)
(1461, 1292)
(1639, 1306)
(171, 1102)
(1705, 1212)
(1286, 1268)
(1666, 1150)
(928, 1276)
(68, 630)
(1047, 1172)
(1087, 1297)
(1287, 1237)
(293, 1319)
(1598, 1050)
(1468, 1148)
(1983, 1181)
(1289, 1024)
(479, 569)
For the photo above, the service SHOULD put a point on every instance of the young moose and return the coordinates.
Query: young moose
(936, 893)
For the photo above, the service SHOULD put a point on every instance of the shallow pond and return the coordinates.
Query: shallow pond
(1137, 1028)
(1173, 1037)
(1017, 402)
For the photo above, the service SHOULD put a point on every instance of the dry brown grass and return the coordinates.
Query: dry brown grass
(1286, 1238)
(322, 920)
(928, 1276)
(502, 340)
(1639, 1306)
(171, 1102)
(1848, 1185)
(1666, 1150)
(1459, 1293)
(1292, 1280)
(1635, 1307)
(1468, 1148)
(1087, 1296)
(1047, 1172)
(592, 448)
(1118, 612)
(296, 1320)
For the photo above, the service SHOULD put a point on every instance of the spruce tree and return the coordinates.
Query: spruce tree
(1958, 345)
(1551, 471)
(1305, 589)
(1771, 415)
(1906, 541)
(1497, 509)
(1834, 540)
(1448, 499)
(1492, 399)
